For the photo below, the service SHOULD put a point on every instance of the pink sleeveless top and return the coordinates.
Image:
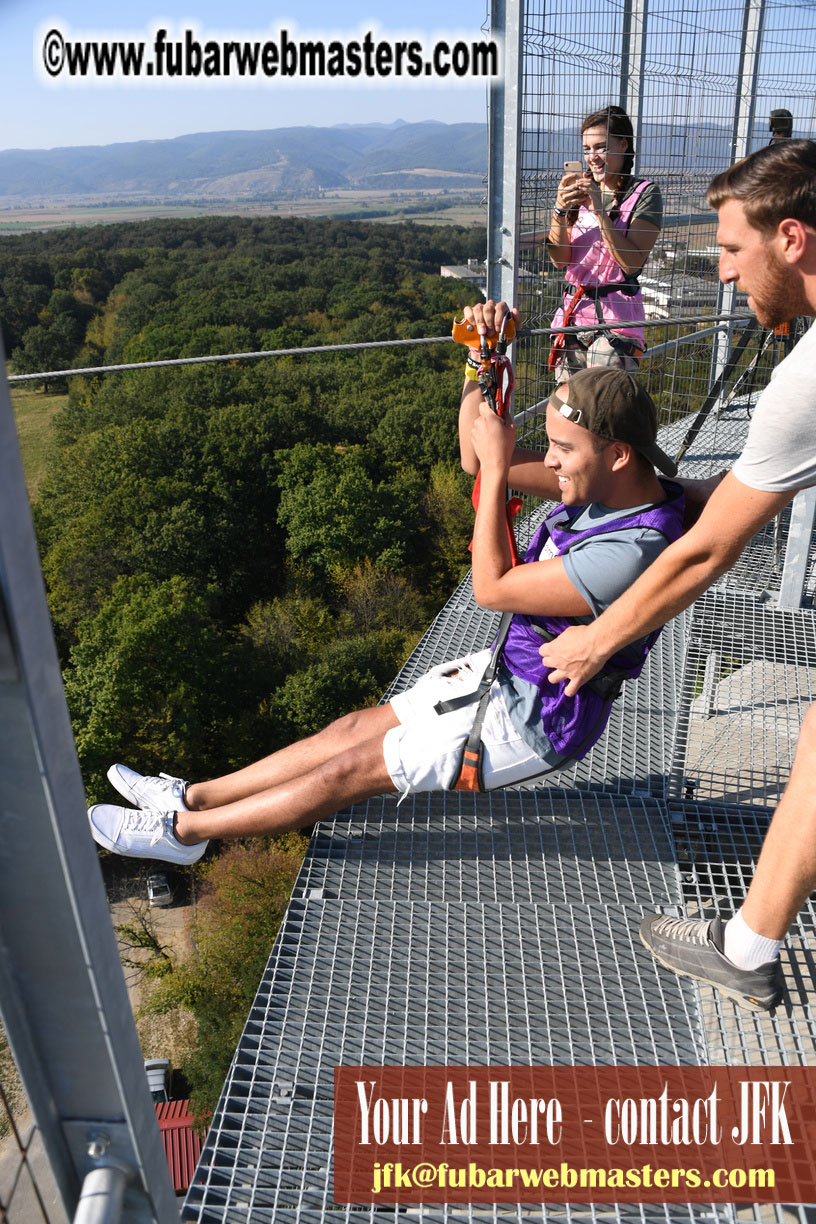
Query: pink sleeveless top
(591, 264)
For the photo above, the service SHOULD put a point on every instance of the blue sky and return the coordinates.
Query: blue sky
(37, 115)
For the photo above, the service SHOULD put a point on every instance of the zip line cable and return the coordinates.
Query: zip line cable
(721, 320)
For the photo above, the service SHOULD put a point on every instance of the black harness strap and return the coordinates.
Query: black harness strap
(469, 774)
(466, 699)
(628, 287)
(620, 344)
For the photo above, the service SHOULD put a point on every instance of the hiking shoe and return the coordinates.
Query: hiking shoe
(140, 834)
(157, 794)
(694, 948)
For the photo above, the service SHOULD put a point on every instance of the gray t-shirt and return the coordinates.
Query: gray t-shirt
(600, 567)
(780, 452)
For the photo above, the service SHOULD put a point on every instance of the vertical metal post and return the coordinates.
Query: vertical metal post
(711, 676)
(633, 59)
(504, 154)
(797, 550)
(677, 783)
(63, 998)
(753, 21)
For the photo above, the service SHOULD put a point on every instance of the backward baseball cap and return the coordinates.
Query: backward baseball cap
(612, 404)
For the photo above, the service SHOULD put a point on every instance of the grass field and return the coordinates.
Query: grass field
(462, 207)
(34, 412)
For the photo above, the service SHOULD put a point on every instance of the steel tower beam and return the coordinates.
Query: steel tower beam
(63, 999)
(504, 122)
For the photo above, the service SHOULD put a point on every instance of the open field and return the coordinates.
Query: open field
(430, 207)
(42, 217)
(34, 412)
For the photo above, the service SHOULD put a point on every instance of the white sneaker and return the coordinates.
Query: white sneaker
(140, 834)
(157, 794)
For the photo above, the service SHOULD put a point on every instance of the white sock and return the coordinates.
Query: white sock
(744, 948)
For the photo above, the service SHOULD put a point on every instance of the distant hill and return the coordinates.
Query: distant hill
(295, 161)
(246, 165)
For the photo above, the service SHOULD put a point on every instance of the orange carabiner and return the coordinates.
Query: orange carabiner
(466, 333)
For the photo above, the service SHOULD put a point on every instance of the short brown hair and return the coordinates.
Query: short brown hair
(773, 183)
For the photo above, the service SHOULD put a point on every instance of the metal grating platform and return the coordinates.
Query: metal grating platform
(456, 982)
(540, 847)
(750, 676)
(717, 848)
(480, 981)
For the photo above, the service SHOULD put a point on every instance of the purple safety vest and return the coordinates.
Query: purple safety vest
(573, 724)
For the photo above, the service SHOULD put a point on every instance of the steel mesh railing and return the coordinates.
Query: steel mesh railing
(699, 91)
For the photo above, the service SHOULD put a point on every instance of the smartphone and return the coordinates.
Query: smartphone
(573, 167)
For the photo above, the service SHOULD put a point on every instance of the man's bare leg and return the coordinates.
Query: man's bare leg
(786, 870)
(293, 761)
(349, 777)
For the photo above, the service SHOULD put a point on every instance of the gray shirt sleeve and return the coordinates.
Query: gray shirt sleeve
(780, 451)
(603, 567)
(648, 207)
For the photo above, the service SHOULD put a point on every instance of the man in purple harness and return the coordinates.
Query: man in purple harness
(615, 518)
(574, 724)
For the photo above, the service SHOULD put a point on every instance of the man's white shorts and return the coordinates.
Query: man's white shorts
(422, 753)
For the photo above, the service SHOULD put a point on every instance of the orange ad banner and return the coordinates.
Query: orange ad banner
(575, 1134)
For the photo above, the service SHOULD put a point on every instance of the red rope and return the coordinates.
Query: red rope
(498, 397)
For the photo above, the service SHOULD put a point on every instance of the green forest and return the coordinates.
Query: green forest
(237, 553)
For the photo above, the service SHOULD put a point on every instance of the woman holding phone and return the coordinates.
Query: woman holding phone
(604, 225)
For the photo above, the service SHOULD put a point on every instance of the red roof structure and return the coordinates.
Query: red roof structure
(182, 1142)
